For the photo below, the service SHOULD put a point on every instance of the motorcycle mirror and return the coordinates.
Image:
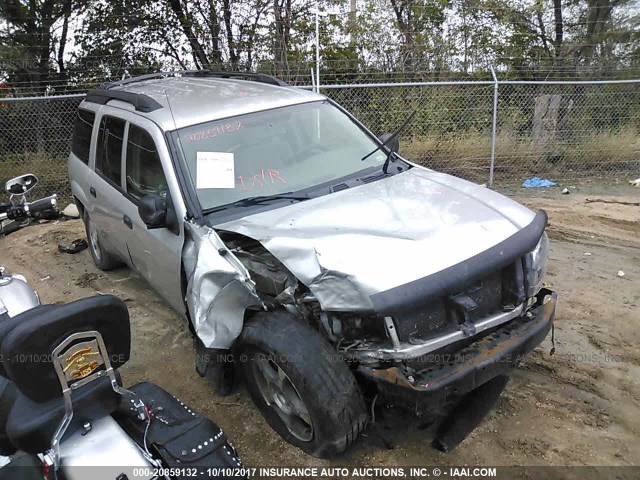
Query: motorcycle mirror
(22, 184)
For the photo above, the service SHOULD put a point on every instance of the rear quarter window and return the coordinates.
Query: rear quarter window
(81, 140)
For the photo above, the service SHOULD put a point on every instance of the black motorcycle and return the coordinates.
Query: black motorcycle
(64, 413)
(16, 212)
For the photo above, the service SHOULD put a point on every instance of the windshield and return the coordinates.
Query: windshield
(275, 151)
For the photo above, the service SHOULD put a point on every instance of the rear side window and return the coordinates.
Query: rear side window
(144, 170)
(82, 134)
(109, 148)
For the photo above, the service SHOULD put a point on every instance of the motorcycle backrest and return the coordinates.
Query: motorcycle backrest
(21, 185)
(8, 324)
(31, 348)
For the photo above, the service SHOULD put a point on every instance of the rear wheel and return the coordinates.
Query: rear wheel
(103, 259)
(306, 394)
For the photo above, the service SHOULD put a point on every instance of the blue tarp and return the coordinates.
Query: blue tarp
(537, 182)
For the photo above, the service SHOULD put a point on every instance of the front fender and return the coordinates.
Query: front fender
(219, 288)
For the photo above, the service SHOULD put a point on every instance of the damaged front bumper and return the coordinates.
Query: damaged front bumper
(453, 375)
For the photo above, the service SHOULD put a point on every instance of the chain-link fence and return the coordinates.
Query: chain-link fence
(35, 137)
(561, 130)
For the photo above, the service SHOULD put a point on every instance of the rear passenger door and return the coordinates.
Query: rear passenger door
(105, 184)
(155, 253)
(78, 162)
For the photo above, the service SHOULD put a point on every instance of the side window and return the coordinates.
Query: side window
(109, 148)
(81, 139)
(143, 167)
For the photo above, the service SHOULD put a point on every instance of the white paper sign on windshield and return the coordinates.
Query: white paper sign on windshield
(215, 170)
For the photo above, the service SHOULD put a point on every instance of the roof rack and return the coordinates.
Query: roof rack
(252, 76)
(141, 102)
(144, 103)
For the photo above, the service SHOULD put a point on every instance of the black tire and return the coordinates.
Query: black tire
(323, 383)
(102, 258)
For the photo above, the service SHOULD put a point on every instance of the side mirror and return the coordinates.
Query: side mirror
(21, 185)
(153, 211)
(393, 145)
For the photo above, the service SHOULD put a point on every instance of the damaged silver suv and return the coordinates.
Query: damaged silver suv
(307, 254)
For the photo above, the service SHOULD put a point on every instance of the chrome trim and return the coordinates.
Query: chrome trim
(108, 450)
(67, 387)
(16, 295)
(407, 351)
(18, 276)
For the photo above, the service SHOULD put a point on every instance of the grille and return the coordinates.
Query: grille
(491, 295)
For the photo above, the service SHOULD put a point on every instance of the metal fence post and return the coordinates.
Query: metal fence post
(494, 127)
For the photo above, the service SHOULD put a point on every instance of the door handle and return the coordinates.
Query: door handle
(92, 191)
(127, 221)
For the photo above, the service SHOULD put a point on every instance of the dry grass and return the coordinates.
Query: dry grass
(467, 156)
(517, 157)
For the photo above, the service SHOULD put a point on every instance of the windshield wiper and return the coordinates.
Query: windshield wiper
(388, 140)
(260, 199)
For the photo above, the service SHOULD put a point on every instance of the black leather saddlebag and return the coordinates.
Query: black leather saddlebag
(183, 438)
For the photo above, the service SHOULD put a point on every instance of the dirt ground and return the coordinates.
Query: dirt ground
(580, 406)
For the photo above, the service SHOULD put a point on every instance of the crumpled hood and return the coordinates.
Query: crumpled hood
(364, 240)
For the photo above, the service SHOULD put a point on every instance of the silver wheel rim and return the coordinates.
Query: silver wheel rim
(93, 240)
(279, 393)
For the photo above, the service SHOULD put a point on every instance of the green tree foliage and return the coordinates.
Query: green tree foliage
(53, 45)
(33, 42)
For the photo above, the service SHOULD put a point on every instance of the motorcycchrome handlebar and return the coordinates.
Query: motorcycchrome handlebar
(29, 209)
(43, 205)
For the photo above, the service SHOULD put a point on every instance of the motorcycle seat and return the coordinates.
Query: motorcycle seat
(31, 425)
(27, 349)
(8, 391)
(9, 323)
(8, 394)
(28, 345)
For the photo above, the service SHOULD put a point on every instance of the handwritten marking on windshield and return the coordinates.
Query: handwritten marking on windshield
(265, 177)
(214, 131)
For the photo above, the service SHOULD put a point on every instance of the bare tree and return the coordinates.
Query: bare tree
(186, 23)
(282, 35)
(404, 19)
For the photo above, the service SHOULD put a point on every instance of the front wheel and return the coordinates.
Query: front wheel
(304, 391)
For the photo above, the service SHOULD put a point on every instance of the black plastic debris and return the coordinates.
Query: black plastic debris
(75, 247)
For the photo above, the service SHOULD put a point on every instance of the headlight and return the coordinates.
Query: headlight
(537, 266)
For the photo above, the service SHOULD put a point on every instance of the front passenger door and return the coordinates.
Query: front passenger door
(155, 253)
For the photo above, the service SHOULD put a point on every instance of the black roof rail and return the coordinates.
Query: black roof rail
(138, 78)
(253, 76)
(141, 102)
